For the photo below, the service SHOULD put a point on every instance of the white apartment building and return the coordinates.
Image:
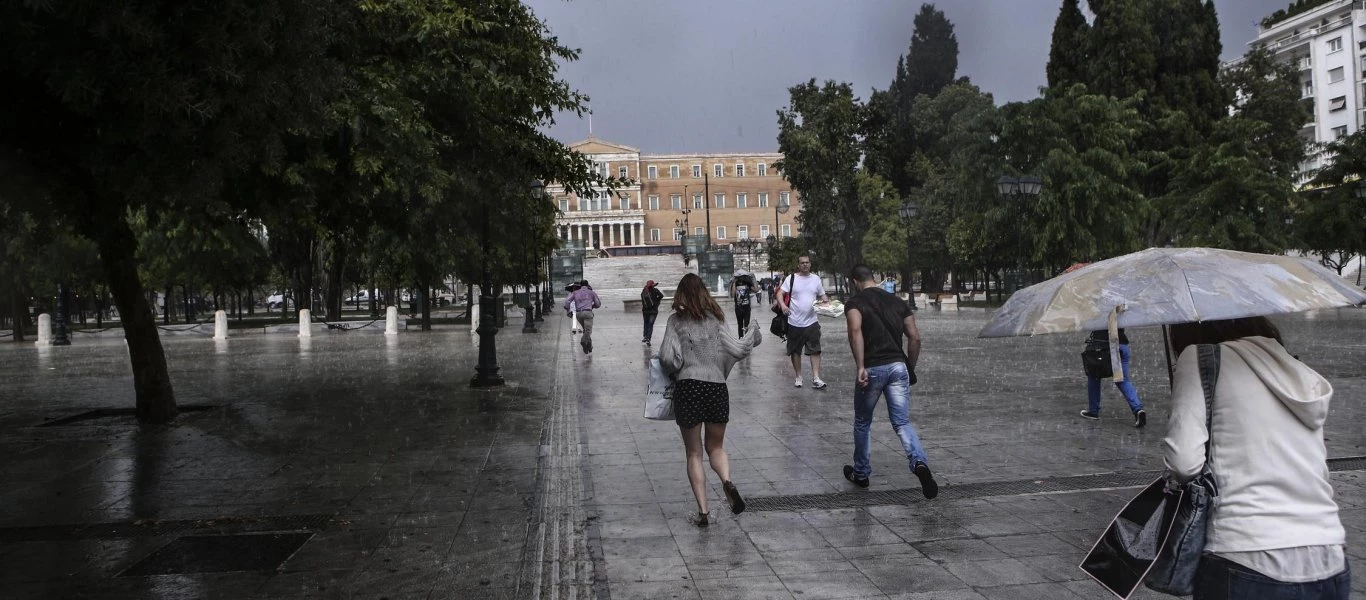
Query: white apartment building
(1327, 44)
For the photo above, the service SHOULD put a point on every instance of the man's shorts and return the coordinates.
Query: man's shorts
(804, 337)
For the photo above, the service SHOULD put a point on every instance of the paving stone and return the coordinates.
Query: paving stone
(438, 488)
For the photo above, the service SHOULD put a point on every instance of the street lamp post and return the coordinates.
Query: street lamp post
(529, 321)
(486, 373)
(59, 337)
(907, 212)
(683, 224)
(1017, 189)
(840, 226)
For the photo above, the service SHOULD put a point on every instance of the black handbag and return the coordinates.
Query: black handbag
(1158, 537)
(1095, 359)
(779, 326)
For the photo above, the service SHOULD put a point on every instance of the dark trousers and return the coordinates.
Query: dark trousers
(1220, 579)
(650, 325)
(742, 318)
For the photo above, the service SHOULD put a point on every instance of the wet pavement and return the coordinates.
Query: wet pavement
(357, 465)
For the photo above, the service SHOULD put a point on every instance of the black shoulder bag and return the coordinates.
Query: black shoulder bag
(1158, 537)
(1095, 359)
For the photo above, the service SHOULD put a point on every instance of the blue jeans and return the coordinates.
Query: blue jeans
(650, 326)
(1220, 579)
(892, 380)
(1126, 387)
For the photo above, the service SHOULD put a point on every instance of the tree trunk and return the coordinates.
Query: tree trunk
(19, 308)
(425, 298)
(335, 280)
(151, 380)
(165, 306)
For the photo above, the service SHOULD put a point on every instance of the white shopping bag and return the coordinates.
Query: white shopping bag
(659, 404)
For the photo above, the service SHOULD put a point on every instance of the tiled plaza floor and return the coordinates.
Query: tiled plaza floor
(406, 483)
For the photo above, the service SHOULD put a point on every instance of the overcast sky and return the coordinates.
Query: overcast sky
(672, 76)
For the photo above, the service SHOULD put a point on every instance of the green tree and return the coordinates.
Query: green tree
(1085, 146)
(932, 61)
(1122, 50)
(1331, 216)
(1067, 56)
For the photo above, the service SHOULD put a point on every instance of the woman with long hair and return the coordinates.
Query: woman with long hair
(698, 351)
(1274, 531)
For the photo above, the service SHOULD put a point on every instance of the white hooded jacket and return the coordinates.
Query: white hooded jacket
(1268, 455)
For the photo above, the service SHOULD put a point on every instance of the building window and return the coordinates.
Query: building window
(1336, 75)
(717, 170)
(1335, 44)
(1308, 89)
(763, 199)
(1336, 104)
(787, 230)
(676, 202)
(600, 169)
(699, 231)
(742, 201)
(697, 201)
(653, 172)
(763, 232)
(654, 202)
(720, 201)
(654, 234)
(621, 172)
(626, 202)
(678, 234)
(1339, 132)
(720, 232)
(564, 204)
(739, 169)
(784, 199)
(742, 231)
(761, 169)
(584, 203)
(673, 171)
(697, 171)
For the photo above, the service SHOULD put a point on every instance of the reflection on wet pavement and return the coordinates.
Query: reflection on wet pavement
(554, 486)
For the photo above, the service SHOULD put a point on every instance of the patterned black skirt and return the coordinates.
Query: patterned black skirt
(700, 402)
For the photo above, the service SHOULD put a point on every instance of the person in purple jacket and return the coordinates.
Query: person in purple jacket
(584, 300)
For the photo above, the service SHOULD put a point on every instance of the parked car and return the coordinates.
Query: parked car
(363, 297)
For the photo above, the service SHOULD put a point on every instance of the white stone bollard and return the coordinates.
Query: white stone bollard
(220, 325)
(305, 324)
(391, 321)
(474, 318)
(44, 330)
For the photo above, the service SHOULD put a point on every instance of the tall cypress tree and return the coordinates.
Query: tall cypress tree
(1067, 56)
(932, 62)
(1122, 49)
(1187, 54)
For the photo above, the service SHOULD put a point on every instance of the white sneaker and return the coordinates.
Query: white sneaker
(798, 382)
(817, 384)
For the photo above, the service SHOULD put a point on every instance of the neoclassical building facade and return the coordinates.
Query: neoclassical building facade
(730, 196)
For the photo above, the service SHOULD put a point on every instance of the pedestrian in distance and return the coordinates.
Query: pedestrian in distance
(742, 291)
(1274, 531)
(802, 289)
(1100, 338)
(584, 300)
(698, 352)
(876, 321)
(650, 297)
(569, 308)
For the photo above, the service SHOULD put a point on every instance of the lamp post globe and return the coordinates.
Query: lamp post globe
(1018, 189)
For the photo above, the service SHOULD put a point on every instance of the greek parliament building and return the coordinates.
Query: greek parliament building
(1326, 43)
(672, 195)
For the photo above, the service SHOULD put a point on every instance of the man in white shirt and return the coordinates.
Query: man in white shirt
(803, 326)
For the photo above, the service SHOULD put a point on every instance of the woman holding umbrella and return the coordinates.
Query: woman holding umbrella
(1275, 532)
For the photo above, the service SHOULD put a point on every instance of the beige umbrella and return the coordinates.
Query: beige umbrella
(1165, 286)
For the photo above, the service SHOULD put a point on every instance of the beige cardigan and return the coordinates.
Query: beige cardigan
(703, 350)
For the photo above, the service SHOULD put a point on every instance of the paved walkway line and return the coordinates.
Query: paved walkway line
(563, 565)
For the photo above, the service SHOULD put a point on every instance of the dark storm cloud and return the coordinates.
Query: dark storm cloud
(708, 75)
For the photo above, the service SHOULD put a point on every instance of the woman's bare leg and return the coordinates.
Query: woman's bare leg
(716, 450)
(697, 477)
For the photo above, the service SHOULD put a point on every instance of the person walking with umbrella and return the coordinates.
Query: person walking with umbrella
(583, 301)
(742, 290)
(1275, 530)
(650, 297)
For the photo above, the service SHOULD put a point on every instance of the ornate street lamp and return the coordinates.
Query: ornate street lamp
(529, 322)
(1017, 189)
(486, 373)
(907, 212)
